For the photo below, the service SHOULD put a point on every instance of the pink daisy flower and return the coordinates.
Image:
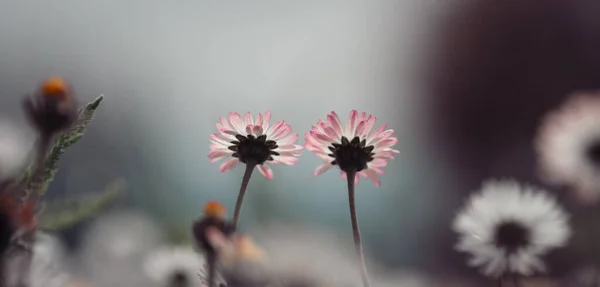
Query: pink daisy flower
(356, 151)
(352, 147)
(253, 142)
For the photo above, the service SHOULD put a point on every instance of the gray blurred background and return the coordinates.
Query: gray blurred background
(168, 70)
(463, 83)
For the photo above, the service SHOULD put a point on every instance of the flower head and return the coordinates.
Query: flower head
(214, 217)
(253, 141)
(568, 146)
(353, 147)
(506, 228)
(53, 108)
(174, 266)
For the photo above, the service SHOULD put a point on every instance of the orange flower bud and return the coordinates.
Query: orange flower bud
(55, 87)
(215, 209)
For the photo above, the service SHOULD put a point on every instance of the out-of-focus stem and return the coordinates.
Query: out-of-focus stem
(211, 261)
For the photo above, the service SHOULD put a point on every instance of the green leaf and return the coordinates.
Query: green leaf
(33, 182)
(66, 213)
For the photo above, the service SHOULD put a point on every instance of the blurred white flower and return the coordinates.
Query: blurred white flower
(568, 146)
(114, 248)
(174, 266)
(507, 227)
(15, 146)
(47, 266)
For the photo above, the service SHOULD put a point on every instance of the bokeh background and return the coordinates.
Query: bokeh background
(463, 83)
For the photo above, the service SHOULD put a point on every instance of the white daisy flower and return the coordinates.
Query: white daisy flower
(174, 266)
(568, 146)
(506, 227)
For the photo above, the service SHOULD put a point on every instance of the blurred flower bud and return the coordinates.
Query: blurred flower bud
(214, 217)
(53, 108)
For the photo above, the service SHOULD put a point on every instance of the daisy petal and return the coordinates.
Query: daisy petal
(249, 130)
(322, 168)
(259, 120)
(266, 120)
(372, 175)
(257, 130)
(351, 124)
(335, 124)
(288, 140)
(229, 164)
(265, 171)
(248, 119)
(236, 122)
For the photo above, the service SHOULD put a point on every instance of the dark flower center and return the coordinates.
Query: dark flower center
(179, 279)
(593, 153)
(351, 155)
(512, 236)
(253, 149)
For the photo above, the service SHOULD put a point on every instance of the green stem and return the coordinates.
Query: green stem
(355, 230)
(240, 200)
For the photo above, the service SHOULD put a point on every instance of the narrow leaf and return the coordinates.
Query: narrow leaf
(39, 183)
(66, 213)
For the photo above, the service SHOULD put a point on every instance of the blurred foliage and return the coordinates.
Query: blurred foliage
(31, 182)
(68, 212)
(63, 214)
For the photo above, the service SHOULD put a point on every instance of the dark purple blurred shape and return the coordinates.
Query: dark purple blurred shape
(498, 67)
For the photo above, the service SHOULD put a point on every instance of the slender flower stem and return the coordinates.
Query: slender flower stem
(211, 261)
(356, 232)
(240, 200)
